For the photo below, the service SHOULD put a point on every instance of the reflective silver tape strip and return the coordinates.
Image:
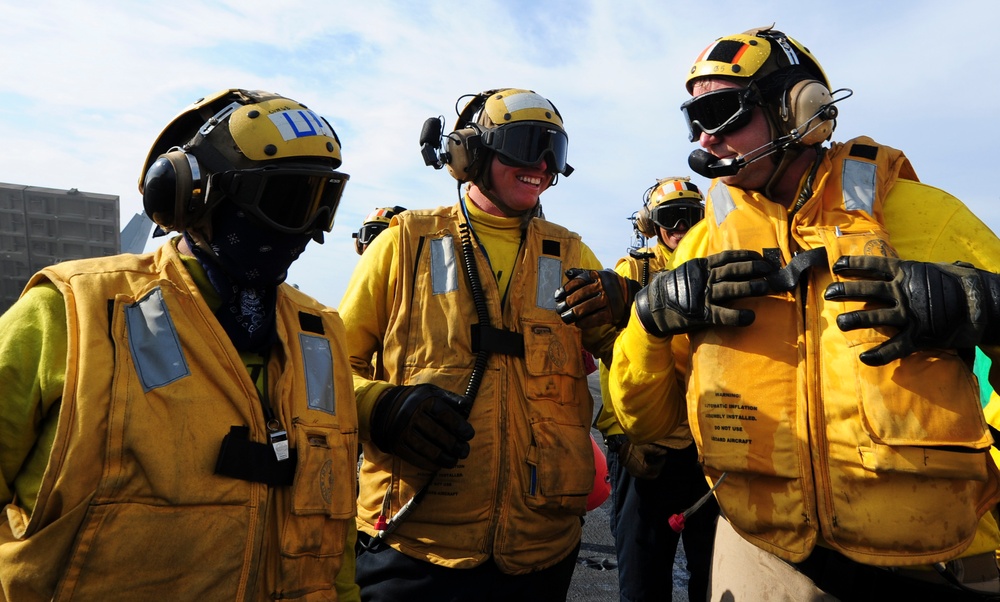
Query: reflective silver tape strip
(317, 360)
(444, 267)
(522, 100)
(153, 342)
(550, 277)
(859, 186)
(722, 202)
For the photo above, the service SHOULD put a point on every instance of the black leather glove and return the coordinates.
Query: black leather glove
(596, 298)
(934, 305)
(685, 299)
(422, 425)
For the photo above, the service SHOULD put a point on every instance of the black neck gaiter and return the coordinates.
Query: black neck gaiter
(250, 261)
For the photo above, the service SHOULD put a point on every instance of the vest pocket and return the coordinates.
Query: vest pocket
(560, 467)
(321, 500)
(554, 362)
(941, 433)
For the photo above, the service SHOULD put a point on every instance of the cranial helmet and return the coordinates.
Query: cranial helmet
(269, 154)
(519, 126)
(777, 72)
(668, 203)
(377, 221)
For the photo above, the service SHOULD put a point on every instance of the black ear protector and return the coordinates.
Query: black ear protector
(173, 193)
(175, 185)
(462, 153)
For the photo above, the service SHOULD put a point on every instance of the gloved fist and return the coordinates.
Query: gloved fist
(422, 425)
(685, 299)
(596, 298)
(642, 461)
(934, 305)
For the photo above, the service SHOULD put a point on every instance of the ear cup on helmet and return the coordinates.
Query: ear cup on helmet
(462, 152)
(806, 114)
(644, 223)
(172, 189)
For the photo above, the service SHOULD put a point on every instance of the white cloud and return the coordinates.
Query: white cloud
(87, 86)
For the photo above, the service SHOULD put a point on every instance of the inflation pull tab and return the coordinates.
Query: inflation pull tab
(279, 442)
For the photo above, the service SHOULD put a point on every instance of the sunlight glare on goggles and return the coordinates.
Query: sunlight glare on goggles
(527, 144)
(289, 199)
(718, 112)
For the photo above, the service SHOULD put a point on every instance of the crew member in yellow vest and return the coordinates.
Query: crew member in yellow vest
(181, 425)
(375, 223)
(652, 481)
(477, 453)
(826, 337)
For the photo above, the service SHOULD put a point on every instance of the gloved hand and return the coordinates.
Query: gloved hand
(596, 298)
(422, 425)
(934, 305)
(642, 461)
(685, 299)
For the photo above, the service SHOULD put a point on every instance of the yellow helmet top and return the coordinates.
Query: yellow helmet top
(753, 54)
(246, 128)
(510, 105)
(672, 189)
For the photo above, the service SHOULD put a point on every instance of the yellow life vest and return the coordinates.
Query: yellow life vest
(888, 464)
(519, 495)
(153, 385)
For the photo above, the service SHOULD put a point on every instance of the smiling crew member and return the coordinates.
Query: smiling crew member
(482, 421)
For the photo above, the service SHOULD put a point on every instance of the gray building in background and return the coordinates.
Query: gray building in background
(42, 226)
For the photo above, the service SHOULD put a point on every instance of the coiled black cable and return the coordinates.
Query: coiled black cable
(471, 390)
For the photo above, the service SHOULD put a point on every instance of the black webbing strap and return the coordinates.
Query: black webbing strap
(494, 340)
(787, 277)
(241, 458)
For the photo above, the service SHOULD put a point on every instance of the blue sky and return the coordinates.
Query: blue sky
(88, 85)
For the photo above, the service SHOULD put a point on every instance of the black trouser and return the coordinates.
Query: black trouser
(644, 542)
(848, 580)
(386, 575)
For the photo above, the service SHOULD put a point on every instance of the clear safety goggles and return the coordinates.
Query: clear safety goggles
(672, 215)
(527, 144)
(718, 112)
(289, 198)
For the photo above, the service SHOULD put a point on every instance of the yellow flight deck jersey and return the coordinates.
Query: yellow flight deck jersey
(887, 465)
(108, 453)
(636, 268)
(519, 495)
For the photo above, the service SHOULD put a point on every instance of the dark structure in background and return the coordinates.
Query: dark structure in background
(42, 226)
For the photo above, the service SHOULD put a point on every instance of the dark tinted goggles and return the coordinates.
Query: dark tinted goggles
(527, 144)
(289, 198)
(670, 215)
(368, 232)
(718, 112)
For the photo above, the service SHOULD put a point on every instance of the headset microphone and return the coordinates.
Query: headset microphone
(708, 165)
(430, 143)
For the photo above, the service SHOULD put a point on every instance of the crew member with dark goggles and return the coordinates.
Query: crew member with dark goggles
(719, 112)
(528, 143)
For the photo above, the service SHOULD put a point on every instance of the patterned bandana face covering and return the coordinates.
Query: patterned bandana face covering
(251, 261)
